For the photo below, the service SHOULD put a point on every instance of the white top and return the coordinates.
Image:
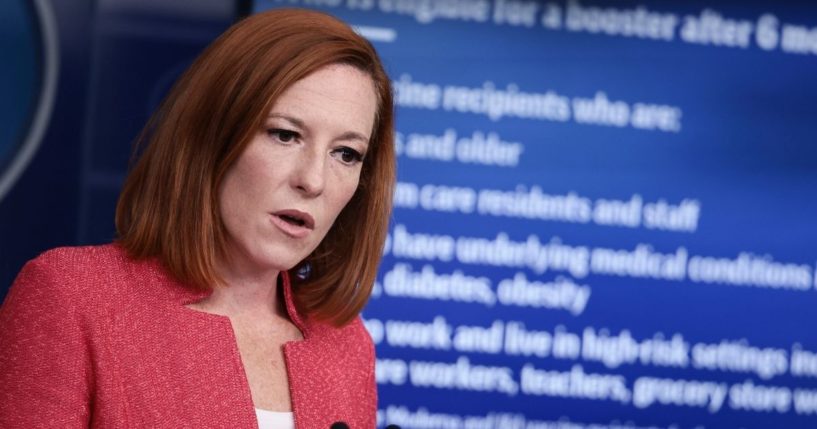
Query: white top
(274, 420)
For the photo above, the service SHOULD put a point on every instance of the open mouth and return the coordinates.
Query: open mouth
(295, 218)
(292, 220)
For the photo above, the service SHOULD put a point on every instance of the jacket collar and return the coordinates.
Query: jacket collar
(289, 302)
(184, 294)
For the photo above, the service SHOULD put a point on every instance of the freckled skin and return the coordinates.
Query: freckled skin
(306, 167)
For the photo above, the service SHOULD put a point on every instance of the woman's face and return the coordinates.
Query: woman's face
(282, 195)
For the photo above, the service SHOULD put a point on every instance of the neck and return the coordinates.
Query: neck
(238, 298)
(246, 293)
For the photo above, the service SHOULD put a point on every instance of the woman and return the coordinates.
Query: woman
(250, 230)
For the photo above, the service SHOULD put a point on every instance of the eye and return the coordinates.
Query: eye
(282, 135)
(348, 155)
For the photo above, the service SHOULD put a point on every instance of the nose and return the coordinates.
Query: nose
(309, 173)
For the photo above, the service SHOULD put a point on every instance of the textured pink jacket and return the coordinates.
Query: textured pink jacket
(91, 338)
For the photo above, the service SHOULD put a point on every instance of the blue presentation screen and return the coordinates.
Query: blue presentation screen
(606, 214)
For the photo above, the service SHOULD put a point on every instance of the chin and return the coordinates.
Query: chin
(281, 259)
(276, 263)
(263, 259)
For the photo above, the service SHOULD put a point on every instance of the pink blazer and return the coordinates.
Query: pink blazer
(91, 338)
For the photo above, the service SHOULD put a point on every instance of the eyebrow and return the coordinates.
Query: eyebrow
(348, 135)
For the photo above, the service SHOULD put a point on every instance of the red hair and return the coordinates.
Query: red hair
(168, 207)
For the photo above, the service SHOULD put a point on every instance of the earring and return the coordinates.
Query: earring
(304, 271)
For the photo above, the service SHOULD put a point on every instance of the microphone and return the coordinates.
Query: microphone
(343, 425)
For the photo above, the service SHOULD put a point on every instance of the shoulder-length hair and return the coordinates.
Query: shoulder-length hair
(168, 207)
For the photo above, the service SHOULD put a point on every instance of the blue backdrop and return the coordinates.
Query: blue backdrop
(605, 215)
